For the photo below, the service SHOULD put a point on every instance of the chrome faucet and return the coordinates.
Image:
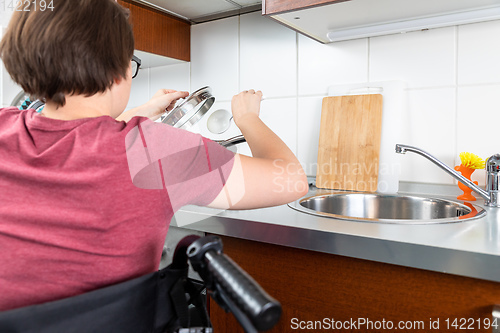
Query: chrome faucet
(491, 195)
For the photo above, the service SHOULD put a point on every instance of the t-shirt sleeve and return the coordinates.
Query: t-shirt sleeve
(191, 168)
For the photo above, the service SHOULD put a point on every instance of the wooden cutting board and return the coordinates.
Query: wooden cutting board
(349, 143)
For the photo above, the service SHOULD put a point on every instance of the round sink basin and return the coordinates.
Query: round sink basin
(374, 207)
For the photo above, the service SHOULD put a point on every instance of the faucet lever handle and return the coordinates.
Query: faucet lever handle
(493, 164)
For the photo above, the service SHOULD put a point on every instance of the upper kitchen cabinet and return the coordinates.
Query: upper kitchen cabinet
(329, 20)
(158, 32)
(162, 27)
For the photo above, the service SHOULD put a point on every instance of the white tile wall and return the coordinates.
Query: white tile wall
(272, 113)
(478, 117)
(268, 56)
(169, 77)
(139, 93)
(422, 59)
(214, 57)
(5, 15)
(479, 53)
(430, 124)
(150, 80)
(453, 78)
(441, 67)
(280, 115)
(323, 65)
(435, 64)
(8, 89)
(309, 116)
(6, 85)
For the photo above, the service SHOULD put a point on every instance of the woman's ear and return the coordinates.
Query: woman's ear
(117, 80)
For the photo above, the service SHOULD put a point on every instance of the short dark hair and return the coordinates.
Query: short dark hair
(79, 47)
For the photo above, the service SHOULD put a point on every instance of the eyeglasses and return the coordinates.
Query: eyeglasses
(136, 63)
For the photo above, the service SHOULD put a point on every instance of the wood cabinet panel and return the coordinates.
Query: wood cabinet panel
(272, 7)
(159, 33)
(312, 286)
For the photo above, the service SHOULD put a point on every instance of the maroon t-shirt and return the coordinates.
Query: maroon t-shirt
(87, 203)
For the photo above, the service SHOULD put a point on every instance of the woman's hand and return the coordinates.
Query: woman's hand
(163, 100)
(245, 104)
(272, 176)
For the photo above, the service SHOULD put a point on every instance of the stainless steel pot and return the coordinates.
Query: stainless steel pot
(190, 110)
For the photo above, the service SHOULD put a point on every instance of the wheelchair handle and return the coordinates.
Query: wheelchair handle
(221, 273)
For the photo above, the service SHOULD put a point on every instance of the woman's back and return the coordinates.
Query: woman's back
(71, 219)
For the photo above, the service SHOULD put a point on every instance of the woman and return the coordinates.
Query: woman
(77, 208)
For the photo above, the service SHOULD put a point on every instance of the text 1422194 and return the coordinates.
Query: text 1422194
(26, 5)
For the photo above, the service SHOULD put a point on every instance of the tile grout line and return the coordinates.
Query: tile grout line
(456, 85)
(368, 59)
(297, 94)
(190, 58)
(456, 100)
(238, 70)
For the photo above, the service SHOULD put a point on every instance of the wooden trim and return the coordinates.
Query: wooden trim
(129, 3)
(158, 32)
(226, 14)
(313, 285)
(274, 7)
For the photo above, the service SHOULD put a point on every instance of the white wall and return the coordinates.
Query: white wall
(150, 80)
(8, 89)
(452, 73)
(453, 78)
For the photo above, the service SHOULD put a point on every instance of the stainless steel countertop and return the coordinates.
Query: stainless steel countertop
(470, 248)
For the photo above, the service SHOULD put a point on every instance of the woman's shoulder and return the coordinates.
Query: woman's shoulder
(9, 110)
(10, 114)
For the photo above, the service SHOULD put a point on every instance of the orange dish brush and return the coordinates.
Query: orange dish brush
(470, 162)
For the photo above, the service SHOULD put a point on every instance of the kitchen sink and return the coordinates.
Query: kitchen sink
(387, 208)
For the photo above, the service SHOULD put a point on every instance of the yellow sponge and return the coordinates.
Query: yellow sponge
(471, 161)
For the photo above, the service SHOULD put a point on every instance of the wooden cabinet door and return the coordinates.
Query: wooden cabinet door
(159, 33)
(312, 286)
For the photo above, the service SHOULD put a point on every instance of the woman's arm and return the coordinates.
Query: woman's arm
(273, 176)
(163, 100)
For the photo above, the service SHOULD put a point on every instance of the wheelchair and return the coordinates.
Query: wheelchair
(161, 302)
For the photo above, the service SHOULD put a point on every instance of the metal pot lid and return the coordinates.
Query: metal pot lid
(191, 109)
